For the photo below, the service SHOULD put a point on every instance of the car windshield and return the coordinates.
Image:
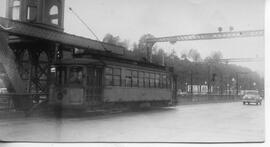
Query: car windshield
(252, 93)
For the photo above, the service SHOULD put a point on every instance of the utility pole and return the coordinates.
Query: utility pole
(221, 85)
(208, 83)
(191, 82)
(237, 81)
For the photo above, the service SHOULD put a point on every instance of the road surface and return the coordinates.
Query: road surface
(217, 122)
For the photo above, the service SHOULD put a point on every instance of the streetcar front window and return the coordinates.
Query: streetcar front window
(76, 75)
(61, 75)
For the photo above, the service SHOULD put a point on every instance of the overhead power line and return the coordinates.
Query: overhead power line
(88, 28)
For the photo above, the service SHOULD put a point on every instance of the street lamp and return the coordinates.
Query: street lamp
(186, 86)
(233, 81)
(254, 84)
(228, 88)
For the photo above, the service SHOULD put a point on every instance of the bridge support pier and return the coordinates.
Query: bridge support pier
(33, 62)
(11, 76)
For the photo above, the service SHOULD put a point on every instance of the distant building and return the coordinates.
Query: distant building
(198, 89)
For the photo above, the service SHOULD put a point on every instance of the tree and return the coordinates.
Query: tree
(143, 43)
(184, 54)
(124, 44)
(140, 49)
(220, 29)
(138, 53)
(159, 56)
(194, 55)
(214, 57)
(109, 38)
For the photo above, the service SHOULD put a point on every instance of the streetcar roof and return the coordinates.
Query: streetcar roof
(77, 61)
(108, 61)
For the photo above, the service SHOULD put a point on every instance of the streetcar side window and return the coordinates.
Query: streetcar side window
(160, 81)
(157, 80)
(141, 79)
(152, 80)
(134, 79)
(168, 82)
(164, 81)
(116, 77)
(76, 75)
(108, 76)
(146, 80)
(128, 78)
(113, 76)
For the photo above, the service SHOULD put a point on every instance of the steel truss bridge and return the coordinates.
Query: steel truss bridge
(205, 36)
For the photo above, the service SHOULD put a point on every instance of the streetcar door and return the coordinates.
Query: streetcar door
(95, 87)
(174, 89)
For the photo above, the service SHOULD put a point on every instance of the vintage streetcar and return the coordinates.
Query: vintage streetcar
(87, 83)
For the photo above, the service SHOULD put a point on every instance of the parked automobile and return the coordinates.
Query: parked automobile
(252, 96)
(3, 91)
(179, 93)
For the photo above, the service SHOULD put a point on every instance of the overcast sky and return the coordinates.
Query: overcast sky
(130, 19)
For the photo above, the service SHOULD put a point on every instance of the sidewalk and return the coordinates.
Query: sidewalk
(206, 102)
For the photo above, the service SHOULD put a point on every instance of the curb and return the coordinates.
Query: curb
(205, 102)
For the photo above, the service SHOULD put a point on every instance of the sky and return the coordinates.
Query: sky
(130, 19)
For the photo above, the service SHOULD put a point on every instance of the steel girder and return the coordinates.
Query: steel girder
(208, 36)
(25, 29)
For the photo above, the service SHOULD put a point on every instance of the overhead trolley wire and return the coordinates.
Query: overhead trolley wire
(89, 29)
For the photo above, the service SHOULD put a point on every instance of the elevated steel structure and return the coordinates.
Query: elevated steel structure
(23, 29)
(203, 36)
(228, 60)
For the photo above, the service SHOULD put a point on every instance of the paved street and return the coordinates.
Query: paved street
(223, 122)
